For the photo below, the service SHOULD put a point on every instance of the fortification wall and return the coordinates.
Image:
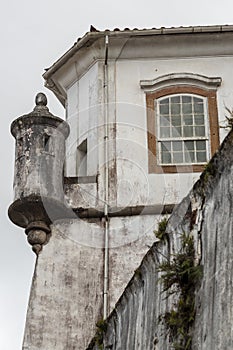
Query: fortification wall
(206, 215)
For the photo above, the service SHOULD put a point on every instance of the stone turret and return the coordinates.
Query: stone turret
(38, 181)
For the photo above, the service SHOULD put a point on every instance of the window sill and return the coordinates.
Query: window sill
(173, 169)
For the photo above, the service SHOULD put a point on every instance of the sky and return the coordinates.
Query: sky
(33, 36)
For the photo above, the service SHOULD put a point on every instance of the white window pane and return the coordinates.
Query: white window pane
(164, 109)
(177, 146)
(200, 145)
(175, 108)
(199, 119)
(187, 108)
(165, 146)
(166, 158)
(201, 157)
(164, 101)
(197, 100)
(178, 157)
(189, 157)
(198, 108)
(188, 119)
(176, 131)
(189, 145)
(186, 99)
(164, 120)
(175, 99)
(187, 131)
(176, 120)
(200, 131)
(164, 131)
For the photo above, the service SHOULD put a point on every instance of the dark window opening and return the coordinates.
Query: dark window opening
(82, 159)
(46, 143)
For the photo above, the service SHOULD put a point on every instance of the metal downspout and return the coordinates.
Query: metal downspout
(106, 222)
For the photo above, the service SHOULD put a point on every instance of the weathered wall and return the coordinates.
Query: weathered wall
(213, 328)
(207, 214)
(129, 63)
(66, 294)
(66, 297)
(82, 111)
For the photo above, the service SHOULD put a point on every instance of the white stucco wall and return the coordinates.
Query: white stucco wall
(82, 112)
(132, 184)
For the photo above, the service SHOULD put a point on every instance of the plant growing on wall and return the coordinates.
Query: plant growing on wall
(161, 233)
(181, 276)
(228, 122)
(101, 328)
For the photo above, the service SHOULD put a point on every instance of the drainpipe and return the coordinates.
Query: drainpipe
(106, 222)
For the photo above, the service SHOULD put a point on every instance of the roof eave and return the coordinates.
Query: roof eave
(88, 38)
(91, 37)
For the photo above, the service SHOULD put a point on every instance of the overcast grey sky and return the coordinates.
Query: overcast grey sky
(34, 34)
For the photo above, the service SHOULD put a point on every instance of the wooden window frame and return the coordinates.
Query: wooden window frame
(211, 96)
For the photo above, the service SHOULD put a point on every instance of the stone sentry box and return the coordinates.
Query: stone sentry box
(38, 180)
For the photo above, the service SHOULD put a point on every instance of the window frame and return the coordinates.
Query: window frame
(178, 138)
(213, 126)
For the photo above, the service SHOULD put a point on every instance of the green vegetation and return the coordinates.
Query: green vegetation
(138, 273)
(161, 233)
(181, 276)
(209, 170)
(229, 119)
(101, 328)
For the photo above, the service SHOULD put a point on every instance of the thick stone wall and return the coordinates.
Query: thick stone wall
(66, 295)
(214, 318)
(206, 213)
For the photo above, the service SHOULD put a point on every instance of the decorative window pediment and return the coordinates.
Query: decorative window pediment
(179, 79)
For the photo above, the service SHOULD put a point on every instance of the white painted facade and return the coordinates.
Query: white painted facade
(98, 83)
(131, 61)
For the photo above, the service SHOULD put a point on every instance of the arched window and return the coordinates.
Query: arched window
(182, 129)
(182, 121)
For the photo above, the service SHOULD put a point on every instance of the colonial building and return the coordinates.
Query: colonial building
(144, 110)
